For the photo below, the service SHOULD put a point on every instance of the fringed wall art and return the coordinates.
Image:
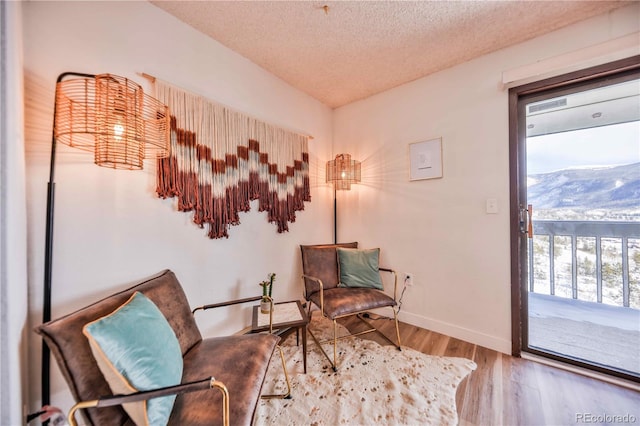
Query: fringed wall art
(221, 160)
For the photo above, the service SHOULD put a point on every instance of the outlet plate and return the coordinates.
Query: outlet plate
(408, 279)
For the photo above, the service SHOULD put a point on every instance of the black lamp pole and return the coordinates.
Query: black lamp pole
(48, 248)
(335, 217)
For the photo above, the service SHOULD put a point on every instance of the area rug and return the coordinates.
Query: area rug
(374, 385)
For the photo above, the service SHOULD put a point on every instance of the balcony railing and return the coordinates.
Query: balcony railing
(622, 231)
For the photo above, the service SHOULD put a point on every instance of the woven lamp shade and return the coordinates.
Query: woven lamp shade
(114, 118)
(343, 171)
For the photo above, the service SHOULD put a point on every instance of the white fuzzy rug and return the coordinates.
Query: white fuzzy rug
(374, 385)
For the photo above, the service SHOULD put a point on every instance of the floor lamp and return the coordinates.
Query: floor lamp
(341, 172)
(112, 117)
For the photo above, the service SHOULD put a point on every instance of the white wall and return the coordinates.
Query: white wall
(438, 229)
(14, 327)
(110, 228)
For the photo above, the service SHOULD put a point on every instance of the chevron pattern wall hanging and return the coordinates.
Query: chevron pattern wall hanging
(221, 160)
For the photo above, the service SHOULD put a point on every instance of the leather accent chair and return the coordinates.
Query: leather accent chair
(235, 365)
(321, 276)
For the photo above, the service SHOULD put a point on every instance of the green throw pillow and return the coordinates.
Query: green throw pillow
(136, 349)
(359, 268)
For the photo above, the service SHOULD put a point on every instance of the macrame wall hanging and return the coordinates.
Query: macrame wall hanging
(221, 160)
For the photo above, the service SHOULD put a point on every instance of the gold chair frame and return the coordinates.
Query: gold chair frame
(110, 401)
(286, 395)
(358, 314)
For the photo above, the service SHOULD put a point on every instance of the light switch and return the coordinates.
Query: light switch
(492, 206)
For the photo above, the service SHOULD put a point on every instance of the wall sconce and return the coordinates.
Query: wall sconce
(341, 172)
(112, 117)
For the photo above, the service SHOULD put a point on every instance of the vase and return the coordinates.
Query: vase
(265, 306)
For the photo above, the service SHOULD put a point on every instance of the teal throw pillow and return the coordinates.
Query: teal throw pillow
(359, 268)
(136, 349)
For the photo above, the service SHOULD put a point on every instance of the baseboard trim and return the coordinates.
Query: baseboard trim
(583, 371)
(471, 336)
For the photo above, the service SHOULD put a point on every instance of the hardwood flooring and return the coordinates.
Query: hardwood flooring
(504, 390)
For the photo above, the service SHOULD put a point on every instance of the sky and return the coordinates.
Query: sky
(613, 145)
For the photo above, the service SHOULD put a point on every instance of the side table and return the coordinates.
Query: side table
(287, 318)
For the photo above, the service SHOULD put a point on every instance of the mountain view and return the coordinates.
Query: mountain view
(587, 194)
(607, 187)
(606, 193)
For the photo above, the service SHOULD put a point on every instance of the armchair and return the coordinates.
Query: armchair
(234, 365)
(321, 277)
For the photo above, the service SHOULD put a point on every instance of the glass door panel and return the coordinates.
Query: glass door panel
(583, 259)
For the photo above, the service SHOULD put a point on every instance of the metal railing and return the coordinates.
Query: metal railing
(588, 229)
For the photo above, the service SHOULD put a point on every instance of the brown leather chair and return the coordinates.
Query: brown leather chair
(321, 276)
(235, 365)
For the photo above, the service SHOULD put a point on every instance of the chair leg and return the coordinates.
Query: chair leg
(395, 319)
(334, 362)
(335, 345)
(319, 343)
(286, 377)
(372, 328)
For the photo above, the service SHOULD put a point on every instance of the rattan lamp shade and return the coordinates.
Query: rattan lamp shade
(343, 171)
(114, 118)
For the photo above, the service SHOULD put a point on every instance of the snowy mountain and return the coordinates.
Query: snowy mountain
(610, 187)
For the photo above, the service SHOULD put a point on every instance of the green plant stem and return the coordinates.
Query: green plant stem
(271, 278)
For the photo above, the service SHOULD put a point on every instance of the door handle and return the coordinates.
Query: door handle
(526, 220)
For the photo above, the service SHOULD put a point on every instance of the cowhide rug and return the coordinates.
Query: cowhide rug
(374, 384)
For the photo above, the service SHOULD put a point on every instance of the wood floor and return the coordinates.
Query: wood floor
(504, 390)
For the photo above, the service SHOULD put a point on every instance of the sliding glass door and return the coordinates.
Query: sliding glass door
(578, 230)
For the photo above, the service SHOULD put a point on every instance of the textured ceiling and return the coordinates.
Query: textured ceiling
(350, 50)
